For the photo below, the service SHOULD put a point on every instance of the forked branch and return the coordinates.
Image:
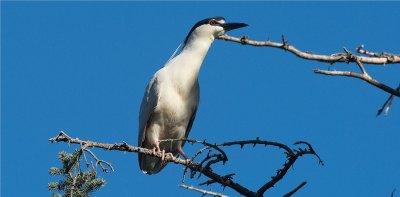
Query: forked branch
(365, 57)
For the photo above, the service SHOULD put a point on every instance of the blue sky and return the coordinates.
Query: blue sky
(82, 67)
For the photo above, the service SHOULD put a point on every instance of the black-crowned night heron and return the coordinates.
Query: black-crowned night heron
(171, 98)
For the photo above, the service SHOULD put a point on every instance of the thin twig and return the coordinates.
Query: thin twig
(209, 182)
(295, 189)
(100, 161)
(259, 142)
(83, 147)
(202, 191)
(287, 165)
(388, 103)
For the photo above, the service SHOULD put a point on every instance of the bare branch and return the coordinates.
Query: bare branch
(347, 57)
(100, 161)
(209, 182)
(209, 160)
(63, 137)
(389, 56)
(388, 103)
(203, 192)
(295, 189)
(287, 165)
(323, 58)
(260, 142)
(365, 78)
(311, 150)
(208, 145)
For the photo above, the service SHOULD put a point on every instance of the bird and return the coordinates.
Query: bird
(171, 98)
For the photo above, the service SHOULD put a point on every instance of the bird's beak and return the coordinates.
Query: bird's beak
(231, 26)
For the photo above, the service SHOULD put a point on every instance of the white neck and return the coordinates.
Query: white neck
(197, 46)
(186, 65)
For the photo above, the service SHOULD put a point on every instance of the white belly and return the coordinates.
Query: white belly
(170, 119)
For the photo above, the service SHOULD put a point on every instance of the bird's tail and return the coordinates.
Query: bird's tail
(150, 165)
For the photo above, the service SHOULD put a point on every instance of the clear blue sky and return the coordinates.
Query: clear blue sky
(82, 67)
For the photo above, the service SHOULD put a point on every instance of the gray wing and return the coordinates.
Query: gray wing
(190, 124)
(149, 103)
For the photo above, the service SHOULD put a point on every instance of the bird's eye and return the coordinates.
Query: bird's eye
(213, 22)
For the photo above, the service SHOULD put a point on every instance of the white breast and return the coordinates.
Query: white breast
(174, 109)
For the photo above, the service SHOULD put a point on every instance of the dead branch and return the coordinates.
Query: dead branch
(363, 75)
(295, 189)
(204, 167)
(202, 191)
(100, 161)
(365, 57)
(372, 58)
(388, 103)
(381, 60)
(63, 137)
(389, 56)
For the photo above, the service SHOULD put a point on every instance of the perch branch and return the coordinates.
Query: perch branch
(63, 137)
(205, 166)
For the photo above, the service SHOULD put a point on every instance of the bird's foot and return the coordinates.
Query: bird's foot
(187, 159)
(164, 155)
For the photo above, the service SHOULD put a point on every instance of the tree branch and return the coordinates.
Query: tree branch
(389, 56)
(381, 60)
(347, 57)
(366, 57)
(63, 137)
(365, 78)
(295, 189)
(205, 166)
(202, 191)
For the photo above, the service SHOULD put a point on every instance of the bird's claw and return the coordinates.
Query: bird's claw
(164, 155)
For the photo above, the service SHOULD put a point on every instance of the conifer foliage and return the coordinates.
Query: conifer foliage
(75, 181)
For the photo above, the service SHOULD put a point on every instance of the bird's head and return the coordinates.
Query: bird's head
(212, 27)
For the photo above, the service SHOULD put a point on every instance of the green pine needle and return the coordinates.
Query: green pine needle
(75, 181)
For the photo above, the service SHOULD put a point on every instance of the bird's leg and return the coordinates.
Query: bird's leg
(162, 155)
(180, 151)
(157, 148)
